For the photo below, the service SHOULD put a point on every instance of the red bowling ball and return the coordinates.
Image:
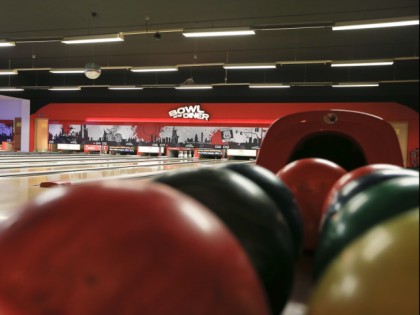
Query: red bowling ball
(119, 249)
(310, 180)
(5, 309)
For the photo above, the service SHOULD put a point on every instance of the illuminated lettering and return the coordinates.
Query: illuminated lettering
(189, 112)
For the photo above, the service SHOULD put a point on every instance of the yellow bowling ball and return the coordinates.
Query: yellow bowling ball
(376, 275)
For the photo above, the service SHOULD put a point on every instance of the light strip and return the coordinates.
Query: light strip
(10, 89)
(217, 32)
(355, 85)
(8, 72)
(67, 71)
(93, 39)
(6, 44)
(65, 88)
(154, 69)
(124, 87)
(194, 87)
(361, 63)
(360, 25)
(269, 86)
(249, 66)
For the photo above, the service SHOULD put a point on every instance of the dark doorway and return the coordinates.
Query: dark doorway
(333, 147)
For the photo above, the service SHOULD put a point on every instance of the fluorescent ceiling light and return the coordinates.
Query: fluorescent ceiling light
(249, 66)
(355, 85)
(10, 89)
(8, 72)
(362, 63)
(65, 88)
(6, 44)
(154, 69)
(360, 25)
(93, 39)
(216, 32)
(194, 87)
(125, 87)
(269, 86)
(67, 71)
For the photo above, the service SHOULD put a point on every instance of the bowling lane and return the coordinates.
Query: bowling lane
(33, 157)
(70, 160)
(48, 168)
(15, 191)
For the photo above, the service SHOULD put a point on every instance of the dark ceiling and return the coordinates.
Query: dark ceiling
(153, 37)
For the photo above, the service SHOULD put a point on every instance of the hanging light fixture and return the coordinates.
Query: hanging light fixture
(249, 66)
(124, 87)
(219, 32)
(362, 63)
(65, 88)
(371, 24)
(269, 86)
(154, 69)
(67, 71)
(11, 89)
(4, 43)
(8, 72)
(96, 39)
(194, 87)
(356, 85)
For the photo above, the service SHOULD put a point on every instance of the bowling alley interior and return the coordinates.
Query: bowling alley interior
(209, 158)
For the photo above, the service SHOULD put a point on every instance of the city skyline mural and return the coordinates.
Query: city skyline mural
(152, 134)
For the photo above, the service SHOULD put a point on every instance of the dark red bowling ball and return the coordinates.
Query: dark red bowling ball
(124, 250)
(274, 187)
(310, 180)
(252, 217)
(6, 309)
(339, 196)
(329, 207)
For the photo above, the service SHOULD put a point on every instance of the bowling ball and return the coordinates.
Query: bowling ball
(279, 193)
(310, 180)
(252, 217)
(376, 275)
(5, 309)
(341, 193)
(118, 249)
(366, 209)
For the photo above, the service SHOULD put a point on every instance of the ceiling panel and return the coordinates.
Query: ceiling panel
(37, 26)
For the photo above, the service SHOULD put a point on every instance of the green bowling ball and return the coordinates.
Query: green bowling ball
(362, 212)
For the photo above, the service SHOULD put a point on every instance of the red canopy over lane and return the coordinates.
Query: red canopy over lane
(374, 136)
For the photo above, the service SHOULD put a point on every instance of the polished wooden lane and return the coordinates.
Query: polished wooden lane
(45, 169)
(17, 190)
